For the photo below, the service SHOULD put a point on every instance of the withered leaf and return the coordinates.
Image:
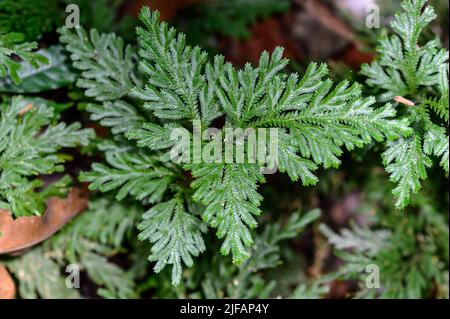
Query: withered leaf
(24, 232)
(7, 285)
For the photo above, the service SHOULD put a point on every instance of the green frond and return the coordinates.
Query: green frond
(40, 277)
(175, 71)
(85, 244)
(94, 236)
(440, 104)
(358, 239)
(408, 68)
(405, 65)
(118, 115)
(409, 267)
(153, 136)
(106, 64)
(229, 193)
(436, 143)
(175, 234)
(29, 142)
(130, 172)
(222, 279)
(406, 162)
(13, 44)
(314, 118)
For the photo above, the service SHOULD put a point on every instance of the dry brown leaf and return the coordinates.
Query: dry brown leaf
(402, 100)
(25, 109)
(7, 285)
(24, 232)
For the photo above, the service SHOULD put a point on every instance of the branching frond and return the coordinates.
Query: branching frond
(29, 143)
(405, 65)
(175, 234)
(131, 172)
(314, 120)
(229, 193)
(406, 68)
(106, 63)
(13, 44)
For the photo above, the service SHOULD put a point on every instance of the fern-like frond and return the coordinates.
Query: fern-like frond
(408, 68)
(40, 277)
(229, 193)
(409, 266)
(94, 236)
(179, 77)
(13, 44)
(440, 104)
(436, 143)
(219, 278)
(175, 233)
(130, 172)
(405, 65)
(29, 143)
(118, 115)
(107, 65)
(315, 121)
(406, 162)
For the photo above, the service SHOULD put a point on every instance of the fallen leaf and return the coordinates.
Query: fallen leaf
(24, 232)
(402, 100)
(7, 285)
(25, 109)
(341, 289)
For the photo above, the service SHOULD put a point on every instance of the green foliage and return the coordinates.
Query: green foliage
(175, 235)
(419, 72)
(34, 19)
(29, 142)
(40, 277)
(24, 21)
(106, 63)
(87, 242)
(247, 280)
(134, 172)
(214, 277)
(229, 193)
(163, 211)
(14, 44)
(30, 18)
(54, 75)
(316, 121)
(234, 17)
(405, 65)
(411, 252)
(108, 73)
